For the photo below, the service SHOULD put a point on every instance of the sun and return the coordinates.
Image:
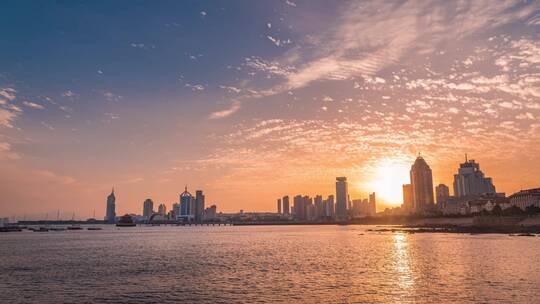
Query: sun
(388, 179)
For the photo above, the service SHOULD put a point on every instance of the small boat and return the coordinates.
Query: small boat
(126, 221)
(41, 229)
(74, 227)
(94, 228)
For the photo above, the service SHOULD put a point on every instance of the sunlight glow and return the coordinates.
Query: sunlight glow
(388, 179)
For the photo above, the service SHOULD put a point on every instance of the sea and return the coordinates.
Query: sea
(267, 264)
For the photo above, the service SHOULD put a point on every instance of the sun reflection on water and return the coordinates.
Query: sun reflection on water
(401, 262)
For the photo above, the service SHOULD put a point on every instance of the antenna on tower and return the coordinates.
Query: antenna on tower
(465, 157)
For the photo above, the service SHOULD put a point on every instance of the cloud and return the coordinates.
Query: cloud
(33, 105)
(69, 94)
(7, 94)
(109, 96)
(203, 14)
(235, 106)
(195, 87)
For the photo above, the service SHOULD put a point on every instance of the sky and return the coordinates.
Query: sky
(253, 100)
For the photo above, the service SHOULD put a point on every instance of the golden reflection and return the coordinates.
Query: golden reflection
(401, 262)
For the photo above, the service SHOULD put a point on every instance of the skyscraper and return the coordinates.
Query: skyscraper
(372, 209)
(279, 206)
(342, 195)
(110, 214)
(199, 206)
(286, 205)
(422, 186)
(148, 208)
(162, 209)
(330, 208)
(319, 207)
(407, 198)
(470, 180)
(299, 207)
(186, 204)
(442, 193)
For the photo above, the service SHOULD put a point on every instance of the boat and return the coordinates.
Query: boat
(126, 221)
(41, 229)
(74, 227)
(94, 228)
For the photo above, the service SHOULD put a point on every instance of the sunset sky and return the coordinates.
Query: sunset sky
(252, 100)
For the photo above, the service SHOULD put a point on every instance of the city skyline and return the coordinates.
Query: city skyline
(251, 101)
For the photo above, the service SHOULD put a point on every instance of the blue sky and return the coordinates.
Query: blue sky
(251, 100)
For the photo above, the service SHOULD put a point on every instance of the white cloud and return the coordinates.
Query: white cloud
(68, 93)
(195, 87)
(33, 105)
(235, 106)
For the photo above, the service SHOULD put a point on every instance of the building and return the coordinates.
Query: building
(526, 198)
(298, 207)
(330, 208)
(342, 195)
(199, 206)
(175, 211)
(470, 180)
(407, 198)
(110, 214)
(372, 207)
(442, 193)
(422, 186)
(148, 208)
(186, 206)
(279, 206)
(286, 205)
(319, 207)
(162, 209)
(210, 213)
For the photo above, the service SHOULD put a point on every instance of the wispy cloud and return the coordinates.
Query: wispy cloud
(33, 105)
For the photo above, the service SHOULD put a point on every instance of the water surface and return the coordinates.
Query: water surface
(266, 264)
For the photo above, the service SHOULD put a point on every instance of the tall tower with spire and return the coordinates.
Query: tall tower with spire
(422, 186)
(110, 213)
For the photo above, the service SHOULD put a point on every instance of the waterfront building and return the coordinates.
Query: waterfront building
(210, 213)
(148, 208)
(422, 186)
(341, 197)
(442, 193)
(162, 209)
(286, 205)
(330, 208)
(175, 211)
(470, 180)
(279, 206)
(372, 209)
(299, 210)
(199, 206)
(319, 207)
(407, 198)
(526, 198)
(110, 214)
(186, 206)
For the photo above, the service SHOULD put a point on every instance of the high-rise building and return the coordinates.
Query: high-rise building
(372, 209)
(470, 180)
(330, 208)
(319, 207)
(176, 210)
(110, 214)
(148, 208)
(279, 206)
(186, 206)
(442, 193)
(199, 206)
(299, 210)
(162, 209)
(342, 196)
(422, 186)
(407, 198)
(286, 205)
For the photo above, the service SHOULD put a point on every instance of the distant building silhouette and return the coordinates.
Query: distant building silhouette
(162, 209)
(342, 195)
(407, 198)
(422, 186)
(199, 206)
(279, 206)
(470, 180)
(442, 194)
(186, 206)
(148, 208)
(286, 209)
(110, 214)
(330, 207)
